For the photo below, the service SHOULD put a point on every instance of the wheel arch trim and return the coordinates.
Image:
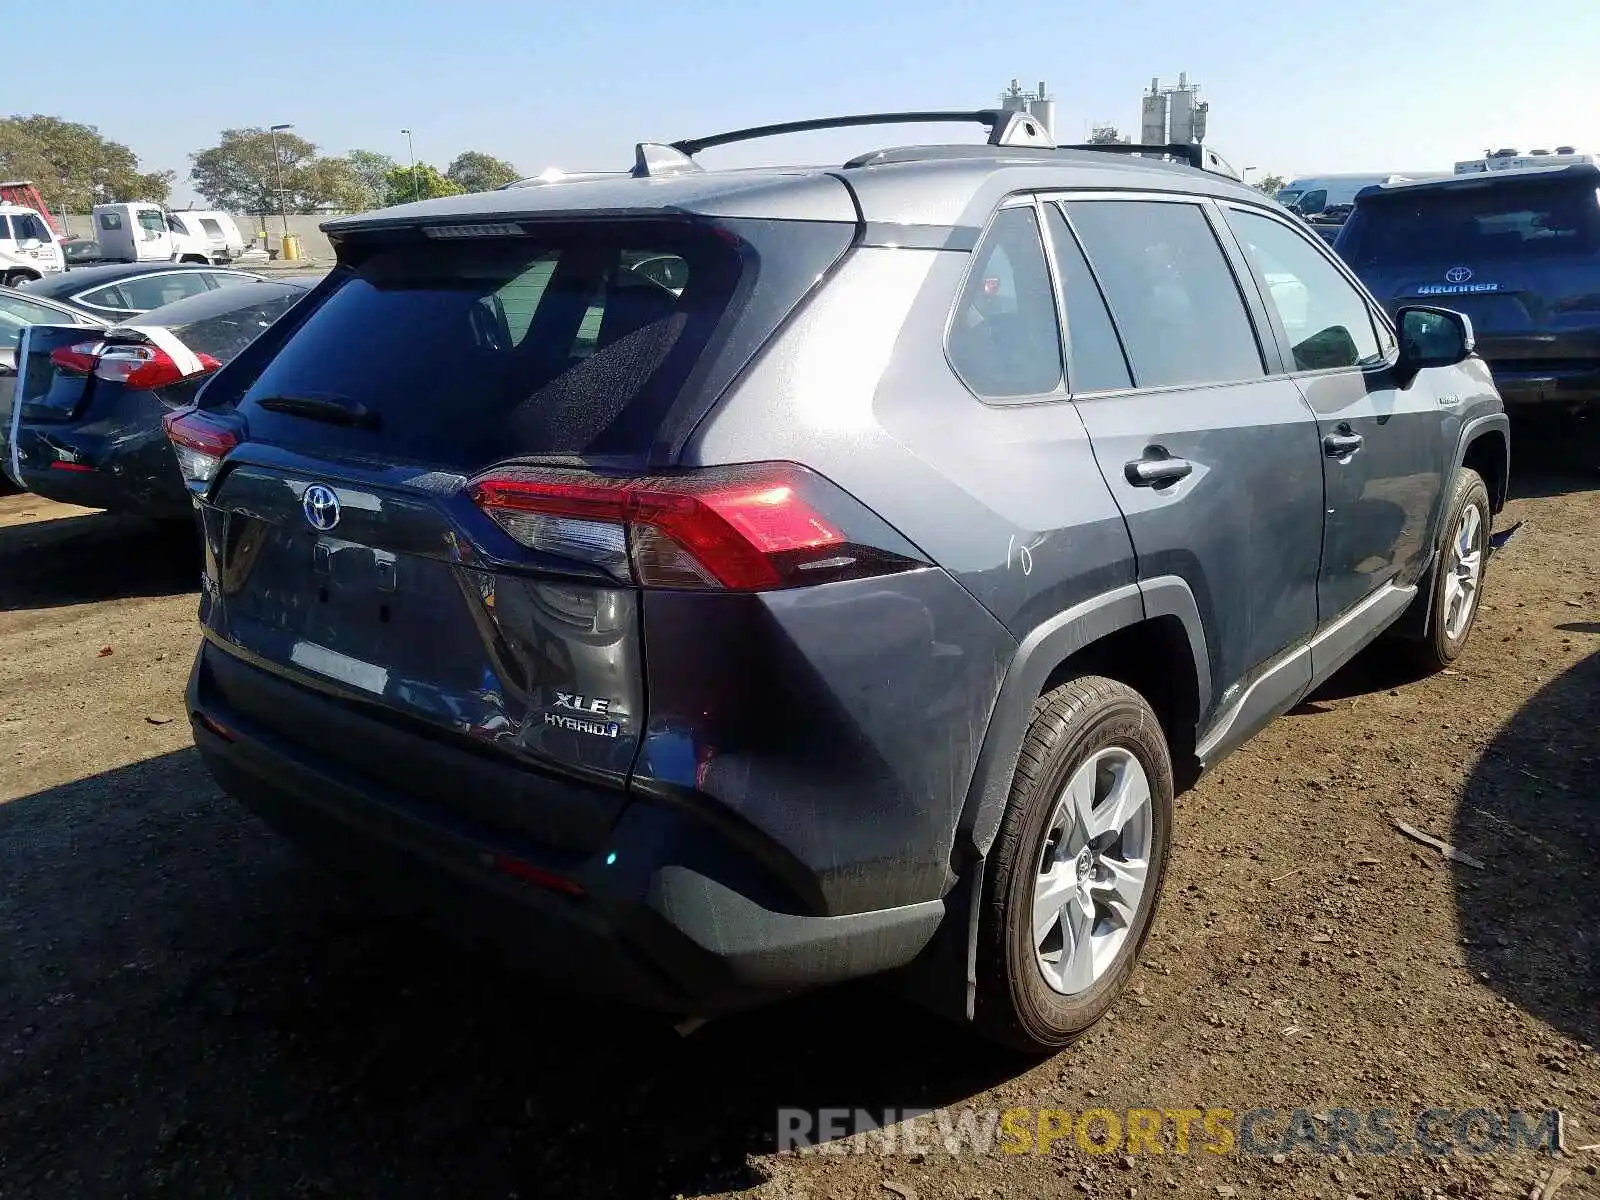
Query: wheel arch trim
(1037, 656)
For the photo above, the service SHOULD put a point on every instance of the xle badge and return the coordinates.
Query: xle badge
(587, 709)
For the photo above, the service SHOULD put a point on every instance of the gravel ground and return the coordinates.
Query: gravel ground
(188, 1009)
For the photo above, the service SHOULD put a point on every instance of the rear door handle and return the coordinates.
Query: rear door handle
(1157, 472)
(1342, 445)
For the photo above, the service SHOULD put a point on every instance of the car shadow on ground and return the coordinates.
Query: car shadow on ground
(1531, 813)
(95, 556)
(187, 1007)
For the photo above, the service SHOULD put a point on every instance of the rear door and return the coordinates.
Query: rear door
(1213, 458)
(1519, 255)
(1383, 445)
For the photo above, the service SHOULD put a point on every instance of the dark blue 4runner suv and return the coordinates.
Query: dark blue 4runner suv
(713, 584)
(1517, 251)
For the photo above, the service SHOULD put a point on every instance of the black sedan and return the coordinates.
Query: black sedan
(18, 310)
(119, 291)
(85, 424)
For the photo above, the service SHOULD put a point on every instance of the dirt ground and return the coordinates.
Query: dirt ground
(188, 1009)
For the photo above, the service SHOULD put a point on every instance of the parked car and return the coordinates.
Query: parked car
(19, 310)
(713, 641)
(1518, 251)
(28, 246)
(121, 291)
(205, 237)
(85, 426)
(82, 252)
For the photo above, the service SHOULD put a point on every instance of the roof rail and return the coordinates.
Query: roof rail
(1201, 158)
(1006, 128)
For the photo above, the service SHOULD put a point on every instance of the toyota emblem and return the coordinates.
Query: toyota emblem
(1458, 274)
(321, 507)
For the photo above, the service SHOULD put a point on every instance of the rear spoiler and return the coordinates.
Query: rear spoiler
(1483, 180)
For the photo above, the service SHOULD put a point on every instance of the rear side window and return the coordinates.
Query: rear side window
(1477, 223)
(1094, 355)
(211, 227)
(1327, 322)
(110, 220)
(145, 292)
(1005, 339)
(1171, 291)
(581, 340)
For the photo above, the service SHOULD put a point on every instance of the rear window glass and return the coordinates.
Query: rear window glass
(225, 334)
(473, 350)
(1473, 224)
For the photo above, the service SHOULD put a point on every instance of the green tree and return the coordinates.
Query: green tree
(478, 172)
(241, 174)
(75, 166)
(372, 169)
(1107, 135)
(424, 182)
(1269, 185)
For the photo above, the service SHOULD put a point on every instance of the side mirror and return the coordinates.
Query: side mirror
(1432, 337)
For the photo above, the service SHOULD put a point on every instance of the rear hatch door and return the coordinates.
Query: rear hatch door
(1519, 256)
(347, 556)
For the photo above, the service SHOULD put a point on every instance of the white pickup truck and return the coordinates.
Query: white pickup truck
(28, 246)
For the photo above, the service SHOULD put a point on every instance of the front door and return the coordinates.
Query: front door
(1215, 463)
(1383, 454)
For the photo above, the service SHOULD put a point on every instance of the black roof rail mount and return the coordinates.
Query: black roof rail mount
(1006, 128)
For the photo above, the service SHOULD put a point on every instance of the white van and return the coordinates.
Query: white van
(212, 235)
(1312, 194)
(134, 232)
(29, 248)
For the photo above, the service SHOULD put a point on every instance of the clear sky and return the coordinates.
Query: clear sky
(1294, 87)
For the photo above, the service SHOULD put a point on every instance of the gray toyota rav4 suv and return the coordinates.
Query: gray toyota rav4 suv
(712, 584)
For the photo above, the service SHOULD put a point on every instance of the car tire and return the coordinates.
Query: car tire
(1094, 744)
(1461, 562)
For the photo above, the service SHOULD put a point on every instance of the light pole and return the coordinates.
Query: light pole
(277, 164)
(416, 185)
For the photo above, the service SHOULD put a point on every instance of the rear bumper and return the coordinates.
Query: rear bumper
(653, 917)
(117, 468)
(1568, 389)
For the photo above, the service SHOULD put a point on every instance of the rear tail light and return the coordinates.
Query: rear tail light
(200, 442)
(750, 528)
(134, 365)
(78, 359)
(142, 367)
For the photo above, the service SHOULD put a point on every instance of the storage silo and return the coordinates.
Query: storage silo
(1153, 116)
(1043, 109)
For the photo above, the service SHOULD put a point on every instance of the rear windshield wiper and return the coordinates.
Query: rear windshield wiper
(335, 410)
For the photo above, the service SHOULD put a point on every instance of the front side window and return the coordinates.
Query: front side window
(27, 227)
(1171, 291)
(152, 220)
(1005, 339)
(1327, 322)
